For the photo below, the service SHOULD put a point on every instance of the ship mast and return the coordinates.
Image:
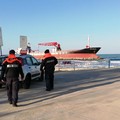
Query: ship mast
(88, 41)
(88, 45)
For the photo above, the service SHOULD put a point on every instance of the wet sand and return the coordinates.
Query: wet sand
(78, 95)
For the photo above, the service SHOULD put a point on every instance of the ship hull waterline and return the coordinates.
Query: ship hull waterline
(81, 56)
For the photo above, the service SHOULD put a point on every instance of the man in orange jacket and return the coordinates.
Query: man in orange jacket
(48, 64)
(11, 68)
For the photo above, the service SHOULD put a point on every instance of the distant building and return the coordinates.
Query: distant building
(23, 42)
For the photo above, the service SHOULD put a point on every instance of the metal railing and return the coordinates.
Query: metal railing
(87, 64)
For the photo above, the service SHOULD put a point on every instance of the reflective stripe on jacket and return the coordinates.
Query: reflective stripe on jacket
(11, 67)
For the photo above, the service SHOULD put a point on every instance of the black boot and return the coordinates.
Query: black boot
(10, 102)
(14, 104)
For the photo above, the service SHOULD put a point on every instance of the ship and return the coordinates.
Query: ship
(83, 54)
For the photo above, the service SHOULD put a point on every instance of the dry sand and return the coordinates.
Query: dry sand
(78, 95)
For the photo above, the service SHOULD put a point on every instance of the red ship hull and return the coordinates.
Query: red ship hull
(82, 56)
(86, 53)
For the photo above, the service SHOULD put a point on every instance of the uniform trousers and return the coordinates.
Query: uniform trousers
(12, 85)
(49, 78)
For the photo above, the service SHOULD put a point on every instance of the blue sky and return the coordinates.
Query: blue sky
(69, 22)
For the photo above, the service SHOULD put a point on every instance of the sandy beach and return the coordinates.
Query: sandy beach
(78, 95)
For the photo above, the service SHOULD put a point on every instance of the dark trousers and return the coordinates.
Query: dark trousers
(49, 78)
(42, 75)
(12, 85)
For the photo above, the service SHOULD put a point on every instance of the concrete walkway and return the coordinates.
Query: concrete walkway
(78, 95)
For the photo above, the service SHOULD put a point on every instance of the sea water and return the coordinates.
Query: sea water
(113, 59)
(109, 56)
(107, 61)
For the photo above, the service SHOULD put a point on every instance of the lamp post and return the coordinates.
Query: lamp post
(1, 41)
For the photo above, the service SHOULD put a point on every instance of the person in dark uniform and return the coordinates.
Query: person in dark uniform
(42, 75)
(48, 65)
(11, 68)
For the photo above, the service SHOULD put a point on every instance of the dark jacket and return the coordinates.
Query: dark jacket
(48, 63)
(11, 67)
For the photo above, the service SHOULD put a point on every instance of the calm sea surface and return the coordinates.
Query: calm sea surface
(109, 56)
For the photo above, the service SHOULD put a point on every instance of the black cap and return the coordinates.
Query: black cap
(47, 51)
(11, 52)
